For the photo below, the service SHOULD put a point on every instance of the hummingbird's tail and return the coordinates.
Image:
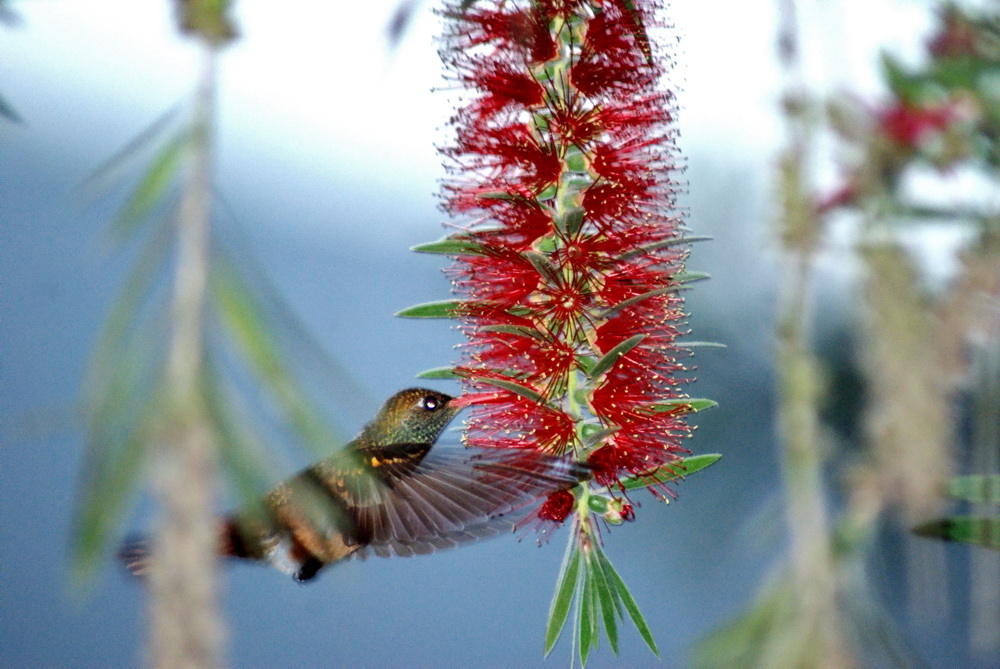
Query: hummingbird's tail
(136, 551)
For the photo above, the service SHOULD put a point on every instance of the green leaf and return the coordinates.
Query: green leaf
(587, 621)
(585, 363)
(608, 605)
(700, 344)
(593, 437)
(508, 197)
(111, 170)
(451, 247)
(977, 530)
(605, 565)
(689, 277)
(545, 244)
(121, 401)
(575, 160)
(676, 241)
(520, 330)
(253, 335)
(519, 310)
(573, 220)
(516, 388)
(906, 86)
(239, 448)
(611, 357)
(8, 112)
(636, 299)
(439, 309)
(440, 373)
(672, 471)
(112, 473)
(692, 405)
(545, 268)
(153, 186)
(615, 582)
(128, 304)
(978, 489)
(566, 585)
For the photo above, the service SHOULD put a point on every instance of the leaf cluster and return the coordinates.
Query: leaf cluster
(131, 404)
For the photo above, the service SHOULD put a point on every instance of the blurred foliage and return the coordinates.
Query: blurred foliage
(245, 376)
(9, 18)
(589, 584)
(920, 344)
(125, 388)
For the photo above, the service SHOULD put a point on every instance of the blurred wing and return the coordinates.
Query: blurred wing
(450, 497)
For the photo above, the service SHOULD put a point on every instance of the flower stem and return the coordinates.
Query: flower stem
(186, 626)
(799, 386)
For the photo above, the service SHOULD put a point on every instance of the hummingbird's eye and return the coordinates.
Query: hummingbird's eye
(429, 402)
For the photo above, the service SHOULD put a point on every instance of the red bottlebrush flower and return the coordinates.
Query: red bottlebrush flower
(611, 62)
(958, 37)
(504, 86)
(911, 126)
(557, 507)
(562, 172)
(522, 30)
(568, 261)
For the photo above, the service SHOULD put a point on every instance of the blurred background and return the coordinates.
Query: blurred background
(327, 173)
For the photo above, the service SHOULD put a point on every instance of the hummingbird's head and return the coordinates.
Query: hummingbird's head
(411, 416)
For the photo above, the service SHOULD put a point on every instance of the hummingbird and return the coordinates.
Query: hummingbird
(388, 492)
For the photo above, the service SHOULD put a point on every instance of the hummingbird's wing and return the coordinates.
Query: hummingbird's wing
(400, 499)
(451, 496)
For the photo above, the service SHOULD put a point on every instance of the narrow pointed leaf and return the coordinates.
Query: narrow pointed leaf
(125, 310)
(616, 582)
(8, 112)
(451, 247)
(587, 635)
(563, 597)
(104, 502)
(519, 310)
(439, 309)
(573, 220)
(545, 268)
(498, 195)
(516, 388)
(692, 405)
(700, 344)
(122, 401)
(440, 373)
(689, 277)
(637, 299)
(667, 243)
(672, 471)
(606, 570)
(239, 447)
(605, 599)
(978, 489)
(575, 161)
(593, 438)
(520, 330)
(152, 187)
(611, 357)
(977, 530)
(109, 172)
(253, 335)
